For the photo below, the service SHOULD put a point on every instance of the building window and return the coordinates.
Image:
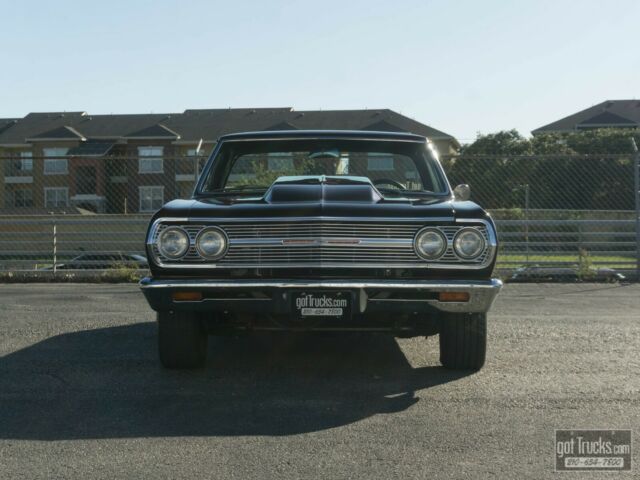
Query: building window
(56, 197)
(53, 165)
(192, 152)
(23, 198)
(380, 162)
(150, 160)
(151, 198)
(20, 164)
(26, 162)
(55, 152)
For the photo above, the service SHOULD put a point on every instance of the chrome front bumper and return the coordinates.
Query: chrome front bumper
(227, 295)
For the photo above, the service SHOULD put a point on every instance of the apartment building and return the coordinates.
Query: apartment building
(133, 163)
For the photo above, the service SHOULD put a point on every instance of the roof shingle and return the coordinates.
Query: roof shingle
(611, 113)
(206, 124)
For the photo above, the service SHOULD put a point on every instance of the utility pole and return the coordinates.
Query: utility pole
(196, 163)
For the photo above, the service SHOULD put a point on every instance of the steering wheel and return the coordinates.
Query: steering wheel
(388, 181)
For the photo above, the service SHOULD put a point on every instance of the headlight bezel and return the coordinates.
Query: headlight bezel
(478, 252)
(424, 231)
(225, 243)
(163, 233)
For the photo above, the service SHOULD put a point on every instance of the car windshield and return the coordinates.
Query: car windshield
(395, 168)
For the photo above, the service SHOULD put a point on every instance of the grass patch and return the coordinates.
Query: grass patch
(612, 261)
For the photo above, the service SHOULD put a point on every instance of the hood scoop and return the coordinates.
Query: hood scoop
(322, 188)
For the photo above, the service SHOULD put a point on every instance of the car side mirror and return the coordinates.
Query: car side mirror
(462, 192)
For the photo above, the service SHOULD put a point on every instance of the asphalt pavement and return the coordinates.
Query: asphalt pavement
(82, 394)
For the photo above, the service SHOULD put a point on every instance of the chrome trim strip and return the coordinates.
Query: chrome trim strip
(327, 137)
(321, 242)
(221, 299)
(386, 221)
(444, 286)
(444, 266)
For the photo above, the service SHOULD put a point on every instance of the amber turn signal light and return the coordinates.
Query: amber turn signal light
(187, 296)
(453, 296)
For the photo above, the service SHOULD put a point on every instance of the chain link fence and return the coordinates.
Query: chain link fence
(71, 213)
(578, 211)
(79, 213)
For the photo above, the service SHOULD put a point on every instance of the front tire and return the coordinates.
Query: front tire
(463, 341)
(182, 340)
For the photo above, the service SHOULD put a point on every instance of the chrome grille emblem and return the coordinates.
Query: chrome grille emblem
(320, 241)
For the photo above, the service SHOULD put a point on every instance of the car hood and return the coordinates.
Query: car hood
(324, 197)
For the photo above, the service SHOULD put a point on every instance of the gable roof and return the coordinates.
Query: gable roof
(611, 114)
(61, 133)
(210, 124)
(119, 125)
(281, 126)
(383, 126)
(155, 131)
(36, 123)
(377, 119)
(206, 124)
(6, 123)
(607, 118)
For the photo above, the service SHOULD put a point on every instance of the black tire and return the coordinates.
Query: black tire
(463, 341)
(182, 340)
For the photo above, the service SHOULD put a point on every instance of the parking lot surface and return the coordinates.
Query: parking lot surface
(82, 394)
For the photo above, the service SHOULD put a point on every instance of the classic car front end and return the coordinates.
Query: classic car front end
(322, 231)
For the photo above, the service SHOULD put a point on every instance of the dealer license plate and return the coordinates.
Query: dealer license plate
(314, 304)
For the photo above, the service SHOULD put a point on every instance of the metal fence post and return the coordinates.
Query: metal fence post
(55, 247)
(526, 218)
(636, 174)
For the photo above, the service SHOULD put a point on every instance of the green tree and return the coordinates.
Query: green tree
(589, 169)
(508, 142)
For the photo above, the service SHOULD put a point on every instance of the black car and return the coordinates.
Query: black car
(103, 261)
(322, 231)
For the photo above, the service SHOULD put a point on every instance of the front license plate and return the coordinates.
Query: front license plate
(309, 305)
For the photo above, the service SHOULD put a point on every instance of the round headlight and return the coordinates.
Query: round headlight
(211, 243)
(173, 242)
(468, 243)
(430, 243)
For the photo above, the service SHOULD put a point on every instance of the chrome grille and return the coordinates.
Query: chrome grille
(316, 254)
(316, 230)
(335, 244)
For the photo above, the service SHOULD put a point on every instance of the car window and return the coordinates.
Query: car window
(388, 169)
(389, 165)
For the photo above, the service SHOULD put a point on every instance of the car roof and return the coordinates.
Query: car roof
(312, 134)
